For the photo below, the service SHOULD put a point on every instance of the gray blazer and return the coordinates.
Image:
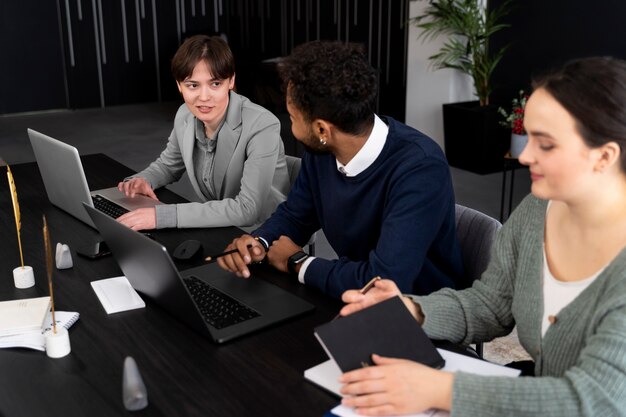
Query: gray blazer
(250, 171)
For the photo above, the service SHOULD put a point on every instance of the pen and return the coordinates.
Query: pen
(213, 258)
(364, 290)
(369, 285)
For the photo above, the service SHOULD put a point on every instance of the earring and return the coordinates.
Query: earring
(323, 141)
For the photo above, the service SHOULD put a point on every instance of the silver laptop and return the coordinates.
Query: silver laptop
(214, 302)
(66, 185)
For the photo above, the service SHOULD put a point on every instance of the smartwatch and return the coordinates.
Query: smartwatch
(295, 259)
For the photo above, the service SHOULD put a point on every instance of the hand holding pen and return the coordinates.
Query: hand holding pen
(376, 290)
(243, 251)
(213, 258)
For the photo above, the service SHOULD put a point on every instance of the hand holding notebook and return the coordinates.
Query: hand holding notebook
(389, 330)
(386, 328)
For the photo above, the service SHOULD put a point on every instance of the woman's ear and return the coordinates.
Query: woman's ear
(608, 155)
(180, 88)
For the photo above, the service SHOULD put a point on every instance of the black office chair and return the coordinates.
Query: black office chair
(293, 167)
(476, 232)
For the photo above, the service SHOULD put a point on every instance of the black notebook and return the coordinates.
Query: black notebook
(387, 329)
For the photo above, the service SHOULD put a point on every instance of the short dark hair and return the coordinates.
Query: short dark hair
(332, 81)
(212, 49)
(593, 91)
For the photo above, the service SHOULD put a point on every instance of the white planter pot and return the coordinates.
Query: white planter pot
(518, 143)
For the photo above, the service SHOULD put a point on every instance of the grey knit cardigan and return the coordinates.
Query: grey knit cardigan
(580, 363)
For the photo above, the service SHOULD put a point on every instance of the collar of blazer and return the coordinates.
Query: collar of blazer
(228, 139)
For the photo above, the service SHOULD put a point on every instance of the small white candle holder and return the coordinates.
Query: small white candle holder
(57, 344)
(23, 277)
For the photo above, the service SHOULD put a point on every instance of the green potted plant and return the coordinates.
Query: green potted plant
(473, 138)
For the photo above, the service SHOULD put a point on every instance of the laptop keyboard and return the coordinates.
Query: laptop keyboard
(108, 207)
(217, 308)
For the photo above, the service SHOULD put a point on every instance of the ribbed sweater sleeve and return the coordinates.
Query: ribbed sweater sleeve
(594, 386)
(484, 311)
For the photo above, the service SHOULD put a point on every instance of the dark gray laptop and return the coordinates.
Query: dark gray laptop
(66, 185)
(197, 295)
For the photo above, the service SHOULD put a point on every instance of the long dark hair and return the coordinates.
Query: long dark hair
(593, 91)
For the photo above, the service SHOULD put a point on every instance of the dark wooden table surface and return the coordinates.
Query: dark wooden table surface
(186, 375)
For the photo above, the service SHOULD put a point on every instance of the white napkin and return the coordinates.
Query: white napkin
(116, 294)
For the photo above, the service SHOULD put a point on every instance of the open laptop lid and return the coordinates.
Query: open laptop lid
(62, 174)
(64, 179)
(149, 269)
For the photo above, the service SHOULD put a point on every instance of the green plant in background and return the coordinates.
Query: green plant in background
(469, 25)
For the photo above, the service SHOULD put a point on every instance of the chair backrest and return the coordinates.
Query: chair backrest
(476, 232)
(293, 168)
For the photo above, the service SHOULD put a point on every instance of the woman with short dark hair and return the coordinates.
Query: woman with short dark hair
(230, 148)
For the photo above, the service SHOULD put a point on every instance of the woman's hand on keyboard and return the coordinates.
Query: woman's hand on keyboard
(135, 186)
(140, 219)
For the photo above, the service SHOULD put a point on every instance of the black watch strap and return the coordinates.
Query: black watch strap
(295, 259)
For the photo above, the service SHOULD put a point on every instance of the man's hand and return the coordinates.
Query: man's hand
(280, 251)
(238, 262)
(136, 186)
(140, 219)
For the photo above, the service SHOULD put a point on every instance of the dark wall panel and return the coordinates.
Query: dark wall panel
(545, 34)
(80, 37)
(128, 73)
(119, 51)
(31, 59)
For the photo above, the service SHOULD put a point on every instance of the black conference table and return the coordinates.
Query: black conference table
(185, 374)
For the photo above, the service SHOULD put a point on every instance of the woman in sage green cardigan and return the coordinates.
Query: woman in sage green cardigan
(568, 237)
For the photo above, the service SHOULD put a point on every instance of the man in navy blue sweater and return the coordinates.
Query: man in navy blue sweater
(380, 190)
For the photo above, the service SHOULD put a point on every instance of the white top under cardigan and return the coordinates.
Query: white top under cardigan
(558, 294)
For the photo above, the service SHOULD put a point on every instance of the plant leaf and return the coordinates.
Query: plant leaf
(468, 28)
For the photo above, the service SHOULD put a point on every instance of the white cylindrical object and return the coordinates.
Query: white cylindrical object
(134, 393)
(57, 344)
(23, 277)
